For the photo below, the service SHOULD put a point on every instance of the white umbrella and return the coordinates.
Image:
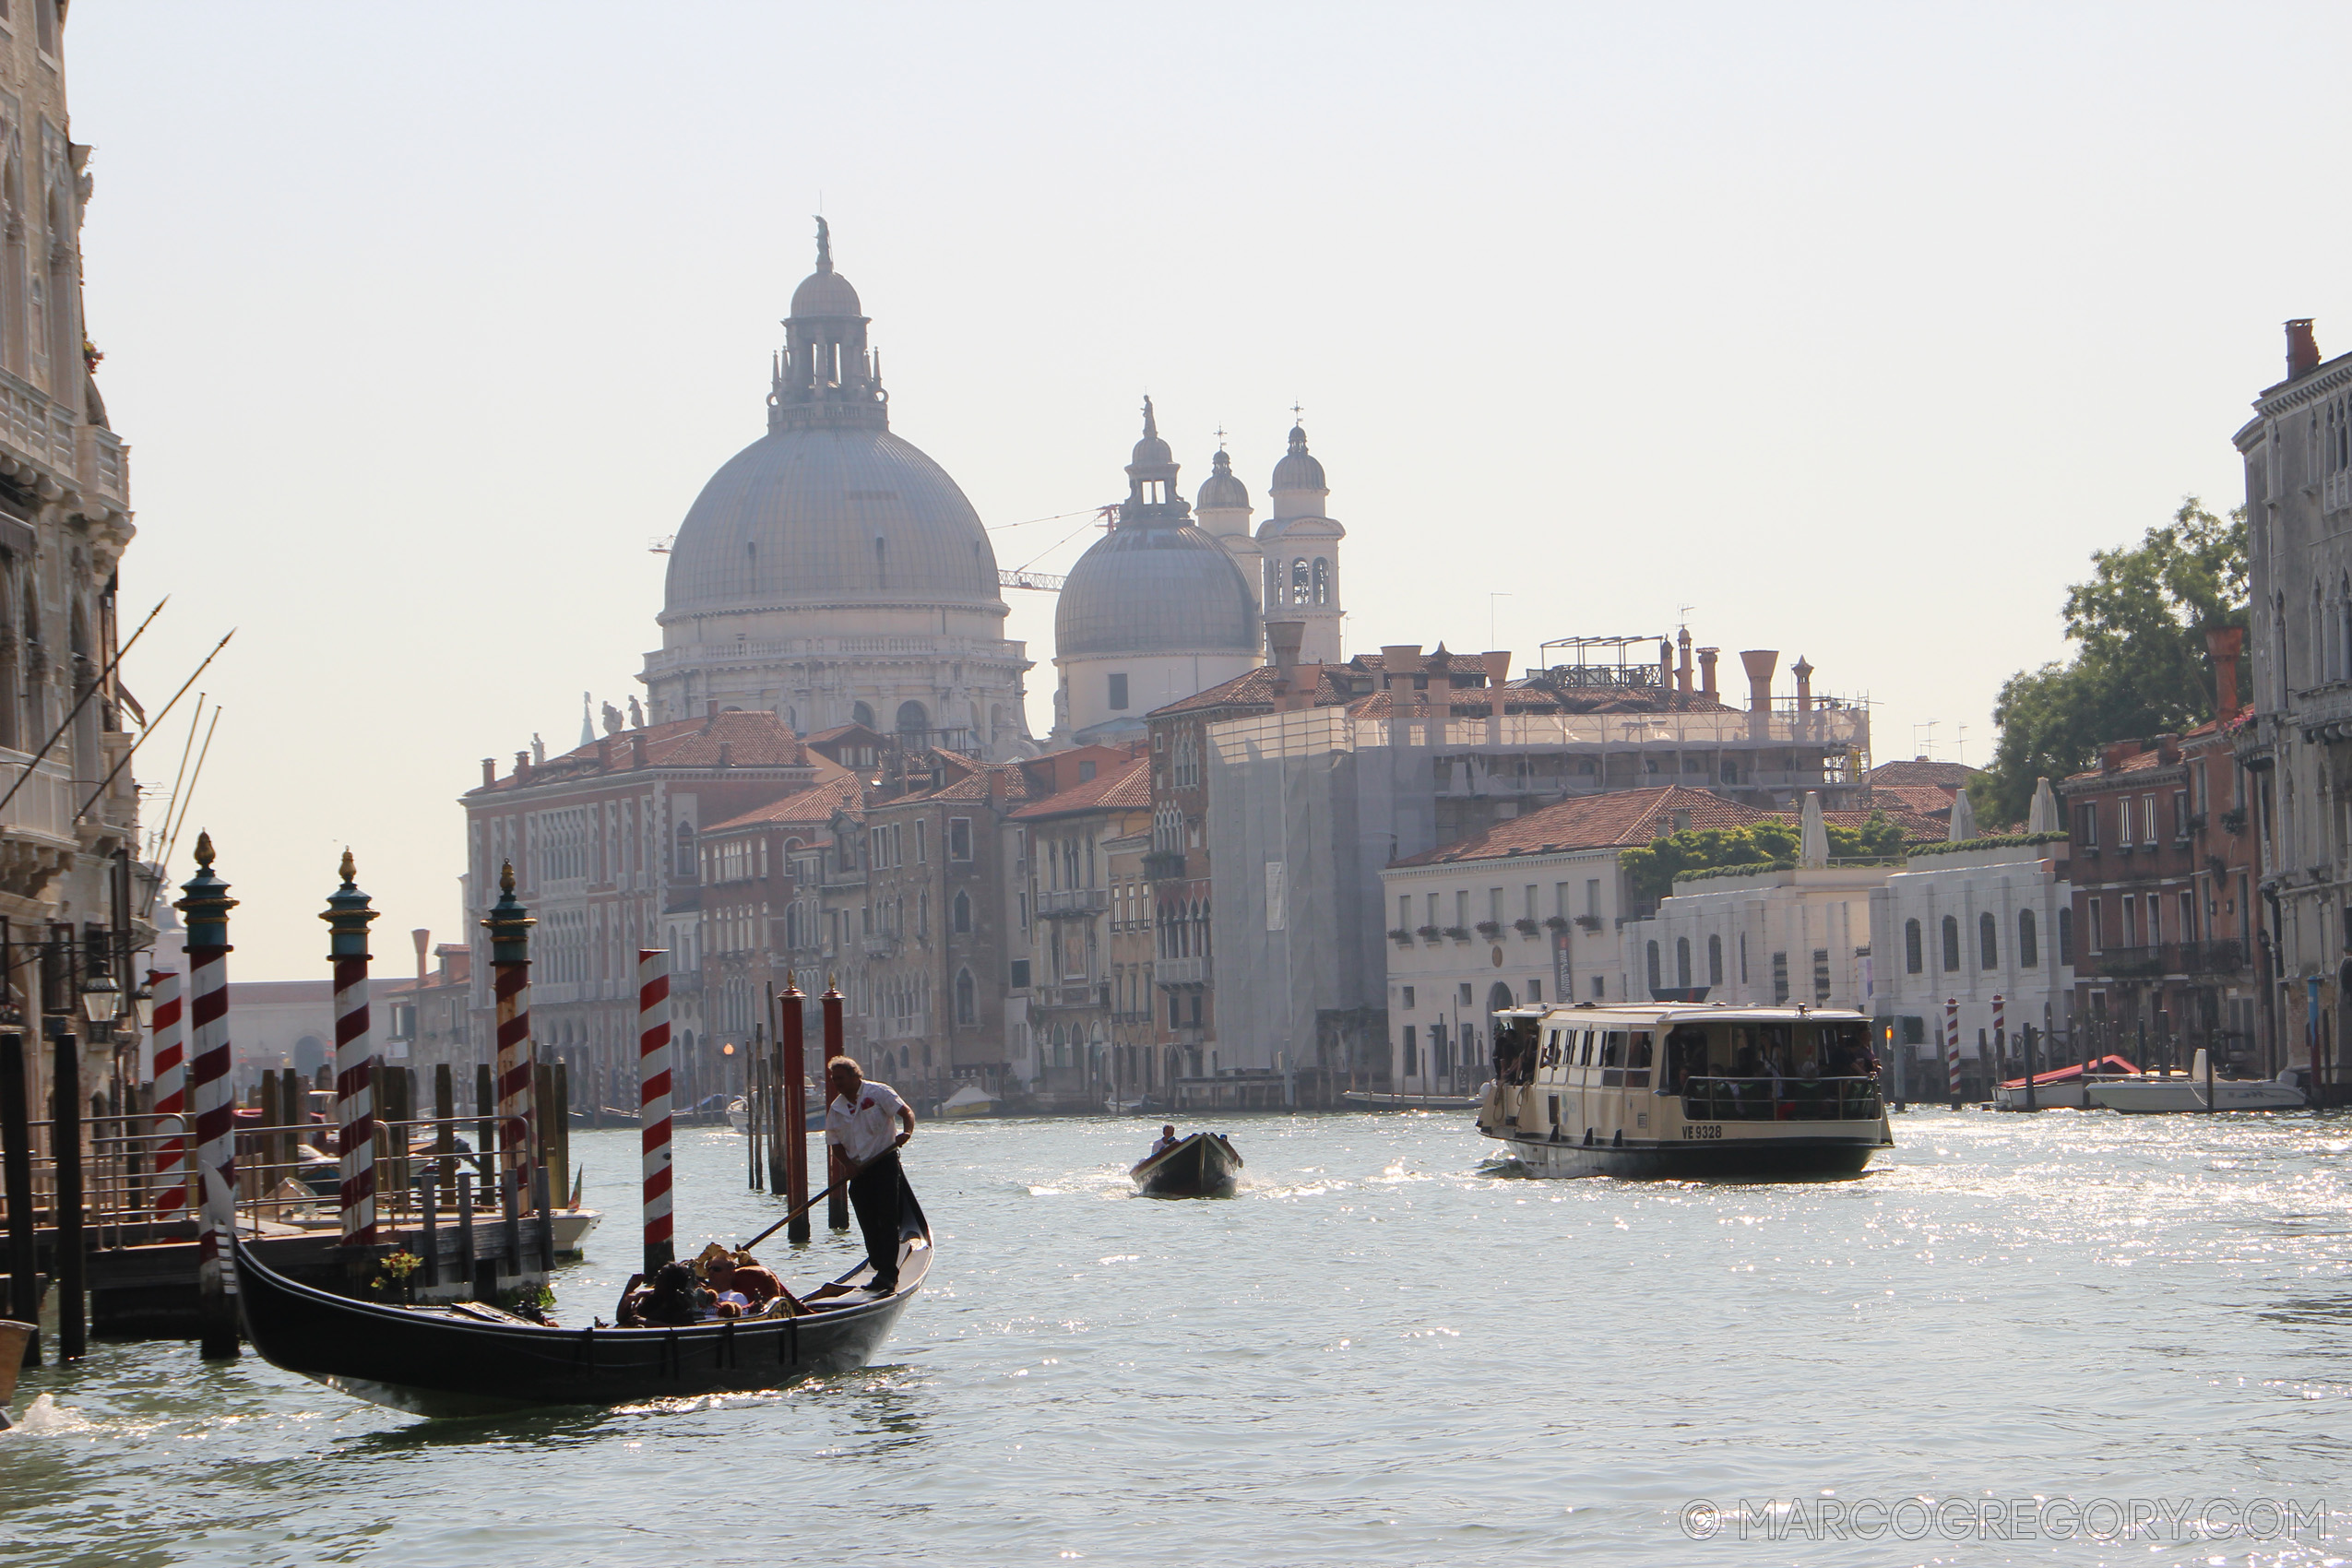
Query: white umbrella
(1815, 848)
(1964, 818)
(2043, 817)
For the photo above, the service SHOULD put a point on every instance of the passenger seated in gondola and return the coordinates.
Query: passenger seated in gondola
(739, 1275)
(669, 1303)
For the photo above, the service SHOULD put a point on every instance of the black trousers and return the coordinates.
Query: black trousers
(875, 1195)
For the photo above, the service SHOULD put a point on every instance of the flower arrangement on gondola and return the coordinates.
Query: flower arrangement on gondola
(392, 1276)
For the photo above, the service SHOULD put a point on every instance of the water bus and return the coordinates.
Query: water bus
(1678, 1089)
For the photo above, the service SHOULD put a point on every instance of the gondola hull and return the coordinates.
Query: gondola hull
(438, 1361)
(1202, 1166)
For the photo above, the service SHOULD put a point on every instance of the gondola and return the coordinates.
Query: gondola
(13, 1337)
(468, 1360)
(1202, 1166)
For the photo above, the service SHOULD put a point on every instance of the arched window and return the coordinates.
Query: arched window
(913, 719)
(859, 714)
(1912, 960)
(686, 870)
(2030, 955)
(1988, 941)
(1323, 580)
(1655, 985)
(1683, 963)
(1301, 588)
(966, 999)
(1715, 960)
(962, 912)
(1951, 944)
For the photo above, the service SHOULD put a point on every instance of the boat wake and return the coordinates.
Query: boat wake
(46, 1418)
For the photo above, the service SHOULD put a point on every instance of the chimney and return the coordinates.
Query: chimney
(1664, 664)
(489, 771)
(2112, 754)
(636, 748)
(2226, 645)
(522, 764)
(1804, 673)
(1282, 641)
(709, 715)
(1760, 662)
(1498, 676)
(1683, 666)
(2302, 349)
(423, 937)
(2168, 748)
(604, 754)
(1398, 658)
(1707, 669)
(726, 753)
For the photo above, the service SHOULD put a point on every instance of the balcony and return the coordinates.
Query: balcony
(1072, 903)
(2169, 958)
(37, 838)
(1176, 972)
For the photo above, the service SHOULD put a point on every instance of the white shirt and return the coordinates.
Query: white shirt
(867, 1128)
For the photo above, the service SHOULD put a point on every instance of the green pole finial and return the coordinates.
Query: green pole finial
(346, 915)
(207, 903)
(509, 925)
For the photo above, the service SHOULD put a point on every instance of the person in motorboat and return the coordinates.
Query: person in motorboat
(871, 1125)
(1167, 1141)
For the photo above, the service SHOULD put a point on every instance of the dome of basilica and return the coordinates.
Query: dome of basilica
(1155, 589)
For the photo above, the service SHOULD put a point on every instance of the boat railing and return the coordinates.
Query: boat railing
(1781, 1099)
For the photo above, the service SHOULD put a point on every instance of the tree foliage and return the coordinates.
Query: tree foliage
(2140, 666)
(1651, 868)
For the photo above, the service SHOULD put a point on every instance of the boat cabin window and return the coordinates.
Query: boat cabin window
(1612, 1049)
(1637, 1062)
(1836, 1049)
(1585, 1058)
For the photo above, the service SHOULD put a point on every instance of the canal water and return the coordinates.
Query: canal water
(2017, 1339)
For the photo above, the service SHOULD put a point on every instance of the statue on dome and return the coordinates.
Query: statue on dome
(637, 715)
(611, 719)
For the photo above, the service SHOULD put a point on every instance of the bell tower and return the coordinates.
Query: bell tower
(1302, 549)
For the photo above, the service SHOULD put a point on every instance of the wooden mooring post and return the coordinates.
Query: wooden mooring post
(837, 1167)
(793, 1056)
(68, 1255)
(16, 1168)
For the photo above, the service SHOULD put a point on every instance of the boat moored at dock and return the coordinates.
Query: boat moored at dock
(1684, 1090)
(2196, 1089)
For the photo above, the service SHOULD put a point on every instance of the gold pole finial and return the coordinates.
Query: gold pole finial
(505, 876)
(350, 868)
(204, 848)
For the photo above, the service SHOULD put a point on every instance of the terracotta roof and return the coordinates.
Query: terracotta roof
(1928, 799)
(811, 807)
(1112, 789)
(1593, 821)
(971, 784)
(1944, 776)
(1254, 688)
(752, 739)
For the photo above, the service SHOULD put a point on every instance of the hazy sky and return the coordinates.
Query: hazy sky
(1854, 329)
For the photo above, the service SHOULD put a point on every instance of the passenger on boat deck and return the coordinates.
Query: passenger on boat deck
(1167, 1140)
(1744, 1064)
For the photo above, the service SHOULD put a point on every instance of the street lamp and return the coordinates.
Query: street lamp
(143, 1004)
(99, 997)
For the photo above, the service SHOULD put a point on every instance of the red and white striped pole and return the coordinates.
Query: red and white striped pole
(205, 909)
(1952, 1049)
(2000, 1029)
(347, 919)
(171, 1096)
(509, 930)
(653, 1101)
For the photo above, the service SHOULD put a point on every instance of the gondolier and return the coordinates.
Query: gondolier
(870, 1123)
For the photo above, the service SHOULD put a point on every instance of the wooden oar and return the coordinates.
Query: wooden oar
(779, 1225)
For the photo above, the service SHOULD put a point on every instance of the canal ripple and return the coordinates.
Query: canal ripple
(1383, 1350)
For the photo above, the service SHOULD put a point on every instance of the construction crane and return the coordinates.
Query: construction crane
(1043, 582)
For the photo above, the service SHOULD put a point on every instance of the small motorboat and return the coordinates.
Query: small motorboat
(13, 1338)
(2193, 1090)
(2063, 1089)
(968, 1100)
(1202, 1166)
(466, 1359)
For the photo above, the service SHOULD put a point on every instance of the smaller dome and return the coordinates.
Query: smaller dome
(1299, 469)
(1222, 489)
(825, 292)
(1166, 589)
